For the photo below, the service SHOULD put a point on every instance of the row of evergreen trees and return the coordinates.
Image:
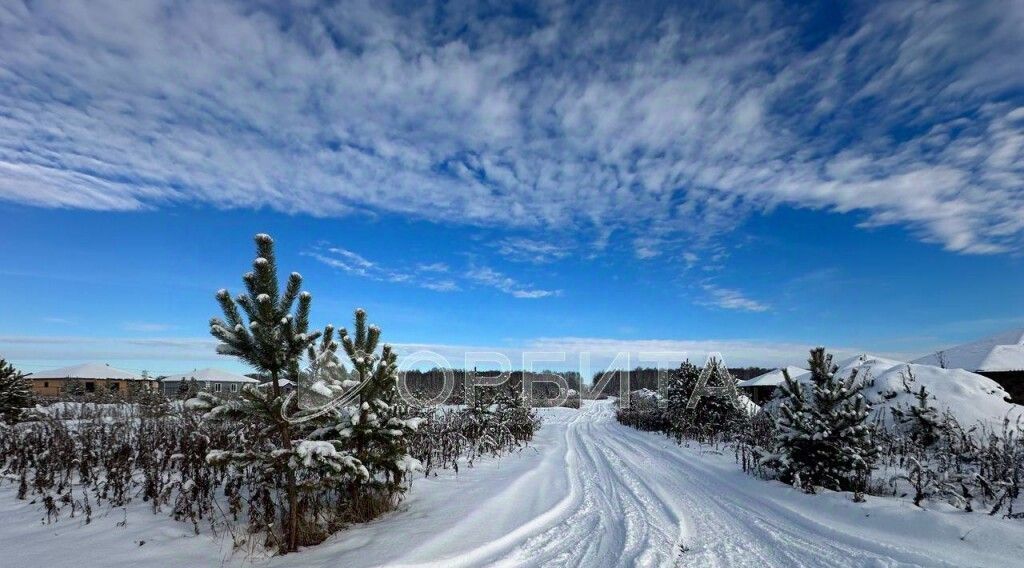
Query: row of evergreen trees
(821, 436)
(818, 433)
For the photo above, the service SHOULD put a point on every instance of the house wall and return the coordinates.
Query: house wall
(759, 394)
(56, 387)
(1012, 381)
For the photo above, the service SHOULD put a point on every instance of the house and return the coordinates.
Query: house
(209, 379)
(285, 385)
(762, 387)
(89, 377)
(999, 357)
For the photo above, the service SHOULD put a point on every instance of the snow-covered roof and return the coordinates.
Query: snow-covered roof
(209, 375)
(1000, 352)
(772, 378)
(280, 383)
(645, 393)
(87, 371)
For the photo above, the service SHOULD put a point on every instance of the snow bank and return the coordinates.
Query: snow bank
(748, 405)
(970, 397)
(772, 378)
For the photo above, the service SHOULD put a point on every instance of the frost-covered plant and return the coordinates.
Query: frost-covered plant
(924, 480)
(755, 440)
(498, 422)
(15, 393)
(921, 421)
(824, 438)
(80, 459)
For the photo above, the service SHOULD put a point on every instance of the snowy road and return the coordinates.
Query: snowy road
(594, 493)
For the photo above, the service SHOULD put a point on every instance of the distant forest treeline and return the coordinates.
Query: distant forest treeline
(647, 378)
(430, 383)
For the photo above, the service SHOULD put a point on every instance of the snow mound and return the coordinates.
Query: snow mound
(968, 396)
(748, 405)
(971, 398)
(772, 378)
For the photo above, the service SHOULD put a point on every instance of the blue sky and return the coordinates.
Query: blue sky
(754, 179)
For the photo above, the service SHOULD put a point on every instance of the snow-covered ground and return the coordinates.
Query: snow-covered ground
(587, 492)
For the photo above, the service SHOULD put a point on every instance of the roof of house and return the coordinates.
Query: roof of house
(772, 378)
(87, 371)
(209, 375)
(1000, 352)
(280, 383)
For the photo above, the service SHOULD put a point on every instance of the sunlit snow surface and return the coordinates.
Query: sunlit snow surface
(587, 492)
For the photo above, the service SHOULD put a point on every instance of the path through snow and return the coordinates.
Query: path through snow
(591, 492)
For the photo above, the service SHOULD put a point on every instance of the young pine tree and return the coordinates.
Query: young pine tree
(15, 393)
(270, 333)
(922, 421)
(188, 389)
(513, 413)
(679, 386)
(378, 428)
(824, 438)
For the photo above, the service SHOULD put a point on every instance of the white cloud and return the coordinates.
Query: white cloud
(490, 277)
(654, 122)
(77, 349)
(731, 299)
(641, 352)
(432, 267)
(422, 275)
(58, 320)
(441, 285)
(521, 249)
(432, 276)
(646, 247)
(176, 354)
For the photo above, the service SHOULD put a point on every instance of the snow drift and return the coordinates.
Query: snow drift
(969, 397)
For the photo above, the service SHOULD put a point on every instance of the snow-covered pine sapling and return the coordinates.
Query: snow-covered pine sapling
(379, 424)
(825, 439)
(513, 414)
(921, 422)
(269, 330)
(679, 386)
(15, 393)
(188, 389)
